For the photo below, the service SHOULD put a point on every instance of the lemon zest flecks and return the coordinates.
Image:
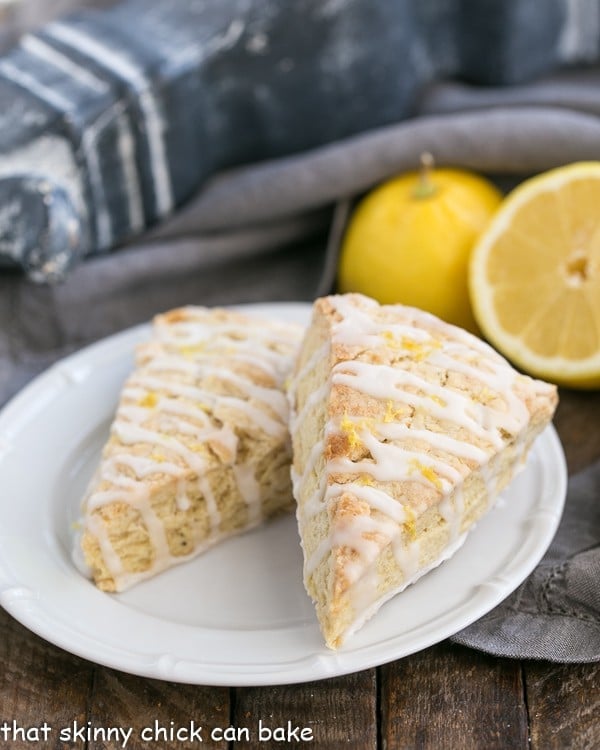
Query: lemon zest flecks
(438, 399)
(149, 401)
(485, 396)
(349, 428)
(409, 524)
(390, 339)
(418, 350)
(365, 480)
(191, 351)
(391, 414)
(427, 472)
(158, 457)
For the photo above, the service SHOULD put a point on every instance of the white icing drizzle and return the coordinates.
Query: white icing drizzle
(142, 467)
(376, 498)
(313, 457)
(182, 501)
(460, 448)
(314, 398)
(369, 595)
(384, 382)
(255, 414)
(250, 491)
(354, 536)
(406, 556)
(452, 512)
(211, 506)
(95, 526)
(319, 354)
(315, 502)
(391, 448)
(173, 425)
(131, 434)
(323, 548)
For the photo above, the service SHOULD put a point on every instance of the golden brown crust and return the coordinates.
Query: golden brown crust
(447, 463)
(199, 448)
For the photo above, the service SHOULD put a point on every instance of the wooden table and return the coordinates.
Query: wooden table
(444, 697)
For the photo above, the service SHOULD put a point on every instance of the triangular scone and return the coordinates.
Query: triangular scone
(404, 430)
(199, 448)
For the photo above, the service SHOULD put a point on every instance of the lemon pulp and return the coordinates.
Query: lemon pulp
(535, 276)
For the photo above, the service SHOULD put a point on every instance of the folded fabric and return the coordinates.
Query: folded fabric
(111, 119)
(555, 614)
(260, 233)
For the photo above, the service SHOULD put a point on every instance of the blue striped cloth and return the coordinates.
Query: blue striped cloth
(111, 120)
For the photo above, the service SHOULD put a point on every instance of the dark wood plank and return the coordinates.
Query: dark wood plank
(444, 697)
(39, 683)
(449, 697)
(564, 700)
(564, 705)
(341, 712)
(578, 424)
(122, 700)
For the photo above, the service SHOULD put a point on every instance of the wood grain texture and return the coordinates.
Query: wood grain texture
(564, 706)
(449, 697)
(39, 682)
(124, 700)
(446, 697)
(342, 712)
(578, 424)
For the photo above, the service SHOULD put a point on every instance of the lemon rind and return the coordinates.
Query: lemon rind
(581, 373)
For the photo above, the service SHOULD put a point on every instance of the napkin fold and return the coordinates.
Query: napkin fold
(261, 233)
(555, 614)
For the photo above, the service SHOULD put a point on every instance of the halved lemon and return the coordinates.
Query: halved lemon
(534, 276)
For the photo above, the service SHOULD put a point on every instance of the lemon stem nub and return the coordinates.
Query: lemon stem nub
(424, 187)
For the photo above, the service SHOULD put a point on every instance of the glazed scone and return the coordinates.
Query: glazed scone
(199, 448)
(404, 431)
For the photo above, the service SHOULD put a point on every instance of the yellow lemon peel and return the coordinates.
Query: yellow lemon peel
(534, 276)
(366, 480)
(437, 399)
(427, 472)
(409, 524)
(149, 401)
(351, 429)
(391, 414)
(412, 246)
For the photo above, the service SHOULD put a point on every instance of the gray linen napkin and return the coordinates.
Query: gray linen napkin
(555, 614)
(259, 233)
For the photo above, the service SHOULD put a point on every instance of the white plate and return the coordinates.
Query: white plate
(237, 615)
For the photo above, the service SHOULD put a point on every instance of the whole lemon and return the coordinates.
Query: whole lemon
(410, 239)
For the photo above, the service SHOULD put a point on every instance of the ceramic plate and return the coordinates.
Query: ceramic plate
(237, 615)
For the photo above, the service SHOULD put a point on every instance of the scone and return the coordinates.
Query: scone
(199, 448)
(404, 431)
